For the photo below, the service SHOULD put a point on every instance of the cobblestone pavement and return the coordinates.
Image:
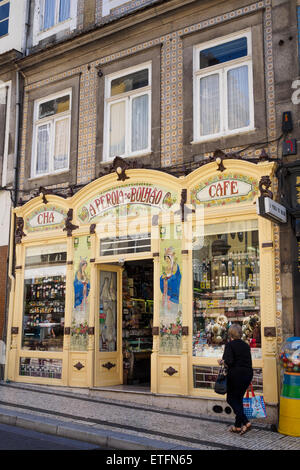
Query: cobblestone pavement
(138, 426)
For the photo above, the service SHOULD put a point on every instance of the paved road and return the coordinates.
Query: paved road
(14, 438)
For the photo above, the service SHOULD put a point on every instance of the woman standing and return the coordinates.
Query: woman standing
(237, 358)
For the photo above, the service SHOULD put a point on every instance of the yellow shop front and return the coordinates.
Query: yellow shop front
(136, 278)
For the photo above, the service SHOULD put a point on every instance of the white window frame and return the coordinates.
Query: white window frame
(127, 97)
(50, 120)
(222, 70)
(7, 85)
(2, 3)
(108, 5)
(40, 34)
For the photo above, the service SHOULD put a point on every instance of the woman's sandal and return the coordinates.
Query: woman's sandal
(235, 430)
(245, 428)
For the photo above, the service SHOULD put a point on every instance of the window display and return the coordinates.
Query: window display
(36, 367)
(205, 377)
(226, 287)
(44, 298)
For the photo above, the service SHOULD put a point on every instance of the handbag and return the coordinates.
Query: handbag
(254, 407)
(221, 382)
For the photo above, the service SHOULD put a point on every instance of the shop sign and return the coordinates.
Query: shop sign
(225, 189)
(271, 210)
(127, 201)
(48, 218)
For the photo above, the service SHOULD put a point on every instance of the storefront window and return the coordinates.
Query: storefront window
(47, 368)
(205, 377)
(125, 244)
(44, 298)
(226, 287)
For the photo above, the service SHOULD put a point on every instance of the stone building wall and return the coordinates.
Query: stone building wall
(173, 32)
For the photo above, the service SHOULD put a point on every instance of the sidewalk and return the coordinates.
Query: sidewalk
(76, 414)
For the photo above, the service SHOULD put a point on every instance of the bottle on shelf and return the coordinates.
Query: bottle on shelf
(230, 270)
(239, 272)
(248, 273)
(208, 274)
(200, 275)
(203, 277)
(223, 274)
(215, 273)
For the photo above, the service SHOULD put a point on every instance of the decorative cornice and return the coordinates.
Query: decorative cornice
(8, 58)
(19, 230)
(69, 227)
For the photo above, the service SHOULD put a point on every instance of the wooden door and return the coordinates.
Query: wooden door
(108, 327)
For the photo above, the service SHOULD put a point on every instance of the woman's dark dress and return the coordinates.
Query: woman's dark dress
(237, 357)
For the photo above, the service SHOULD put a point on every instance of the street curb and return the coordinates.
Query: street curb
(104, 438)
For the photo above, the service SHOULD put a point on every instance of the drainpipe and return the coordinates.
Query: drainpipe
(9, 306)
(10, 274)
(11, 277)
(16, 150)
(27, 27)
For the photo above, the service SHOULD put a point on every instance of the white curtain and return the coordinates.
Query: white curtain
(238, 98)
(64, 10)
(209, 105)
(117, 129)
(49, 13)
(61, 146)
(139, 123)
(43, 143)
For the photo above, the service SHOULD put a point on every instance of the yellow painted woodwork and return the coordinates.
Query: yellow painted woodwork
(92, 373)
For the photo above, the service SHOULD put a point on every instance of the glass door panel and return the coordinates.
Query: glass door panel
(109, 361)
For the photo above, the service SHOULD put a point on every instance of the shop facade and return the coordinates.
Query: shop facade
(136, 278)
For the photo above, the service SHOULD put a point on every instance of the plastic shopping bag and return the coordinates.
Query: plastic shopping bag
(254, 407)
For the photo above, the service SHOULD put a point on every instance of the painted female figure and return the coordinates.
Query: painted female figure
(170, 308)
(170, 279)
(81, 286)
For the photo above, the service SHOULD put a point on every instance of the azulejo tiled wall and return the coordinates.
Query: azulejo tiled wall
(171, 99)
(171, 93)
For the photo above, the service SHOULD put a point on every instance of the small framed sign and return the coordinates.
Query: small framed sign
(271, 210)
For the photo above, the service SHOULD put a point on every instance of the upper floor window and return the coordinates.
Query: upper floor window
(4, 17)
(109, 5)
(52, 17)
(223, 87)
(128, 113)
(51, 136)
(53, 12)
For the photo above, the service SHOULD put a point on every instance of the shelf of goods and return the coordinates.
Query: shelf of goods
(44, 310)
